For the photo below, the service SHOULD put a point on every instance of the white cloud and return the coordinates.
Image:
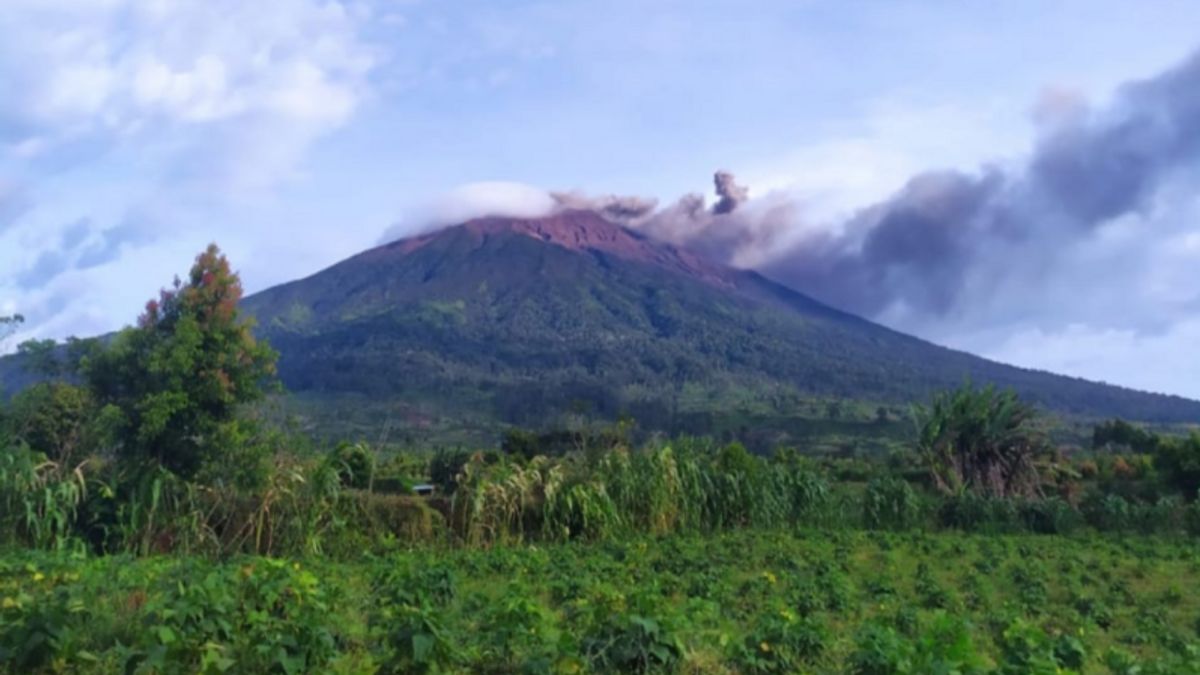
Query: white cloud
(1127, 357)
(158, 121)
(474, 200)
(134, 67)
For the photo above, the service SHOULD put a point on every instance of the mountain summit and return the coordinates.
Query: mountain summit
(518, 320)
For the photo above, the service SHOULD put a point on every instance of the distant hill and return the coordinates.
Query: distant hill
(502, 320)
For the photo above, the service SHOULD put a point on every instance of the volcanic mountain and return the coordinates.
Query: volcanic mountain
(508, 320)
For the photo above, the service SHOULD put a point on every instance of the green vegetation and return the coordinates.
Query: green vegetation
(747, 601)
(157, 516)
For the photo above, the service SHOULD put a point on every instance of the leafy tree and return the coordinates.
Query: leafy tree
(9, 325)
(177, 379)
(980, 440)
(1121, 433)
(521, 442)
(56, 419)
(1179, 461)
(41, 357)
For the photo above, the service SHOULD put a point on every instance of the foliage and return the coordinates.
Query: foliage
(39, 499)
(781, 642)
(175, 382)
(57, 419)
(946, 646)
(980, 440)
(1179, 461)
(1120, 433)
(740, 601)
(890, 503)
(354, 464)
(262, 615)
(631, 643)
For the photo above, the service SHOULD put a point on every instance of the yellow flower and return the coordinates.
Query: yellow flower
(8, 603)
(764, 646)
(296, 566)
(769, 577)
(38, 576)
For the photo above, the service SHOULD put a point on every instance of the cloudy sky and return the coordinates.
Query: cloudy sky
(1017, 179)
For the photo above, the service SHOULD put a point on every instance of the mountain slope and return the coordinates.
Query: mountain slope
(519, 320)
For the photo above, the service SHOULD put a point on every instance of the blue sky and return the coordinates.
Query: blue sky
(297, 132)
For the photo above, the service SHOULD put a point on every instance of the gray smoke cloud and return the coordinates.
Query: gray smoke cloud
(730, 193)
(951, 244)
(617, 208)
(949, 234)
(725, 231)
(950, 241)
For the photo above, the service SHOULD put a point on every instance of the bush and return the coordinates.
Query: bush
(261, 615)
(1026, 649)
(354, 464)
(780, 642)
(1049, 516)
(971, 512)
(890, 504)
(944, 647)
(631, 643)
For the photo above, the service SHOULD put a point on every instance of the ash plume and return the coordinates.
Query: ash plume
(617, 208)
(724, 231)
(730, 193)
(949, 242)
(948, 235)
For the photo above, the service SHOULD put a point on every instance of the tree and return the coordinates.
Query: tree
(980, 440)
(1179, 461)
(41, 357)
(1118, 432)
(177, 379)
(56, 419)
(8, 326)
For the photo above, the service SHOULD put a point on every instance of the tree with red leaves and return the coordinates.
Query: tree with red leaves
(174, 383)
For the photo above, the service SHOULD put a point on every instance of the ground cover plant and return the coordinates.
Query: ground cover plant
(754, 601)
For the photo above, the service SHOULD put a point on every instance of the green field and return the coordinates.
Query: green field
(746, 601)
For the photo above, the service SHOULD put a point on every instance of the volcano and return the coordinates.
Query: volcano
(519, 321)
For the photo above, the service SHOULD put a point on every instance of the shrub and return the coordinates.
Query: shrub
(780, 642)
(415, 640)
(1027, 649)
(890, 503)
(1049, 516)
(518, 633)
(631, 643)
(261, 615)
(354, 464)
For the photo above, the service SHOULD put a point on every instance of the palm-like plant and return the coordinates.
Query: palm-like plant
(980, 440)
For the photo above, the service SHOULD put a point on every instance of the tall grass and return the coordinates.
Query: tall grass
(39, 499)
(658, 491)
